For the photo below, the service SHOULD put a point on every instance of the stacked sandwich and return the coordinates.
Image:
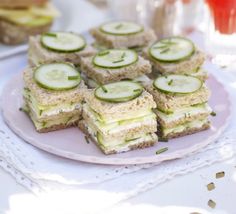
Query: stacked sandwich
(179, 89)
(121, 34)
(58, 47)
(118, 117)
(113, 65)
(21, 18)
(53, 95)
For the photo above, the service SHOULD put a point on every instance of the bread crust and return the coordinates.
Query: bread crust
(135, 40)
(21, 3)
(187, 131)
(83, 127)
(103, 75)
(38, 54)
(13, 34)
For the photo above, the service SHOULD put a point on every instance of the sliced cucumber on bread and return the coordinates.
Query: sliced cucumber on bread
(63, 42)
(172, 49)
(119, 91)
(115, 58)
(175, 83)
(121, 28)
(57, 76)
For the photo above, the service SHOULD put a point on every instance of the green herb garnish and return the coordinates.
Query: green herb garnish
(160, 47)
(137, 90)
(123, 55)
(103, 53)
(163, 140)
(220, 174)
(103, 88)
(87, 139)
(213, 114)
(73, 77)
(24, 109)
(210, 186)
(170, 82)
(118, 26)
(211, 204)
(51, 34)
(117, 61)
(161, 150)
(40, 112)
(165, 50)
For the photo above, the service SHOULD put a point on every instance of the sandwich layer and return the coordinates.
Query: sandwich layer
(113, 41)
(187, 66)
(45, 97)
(139, 143)
(184, 129)
(169, 102)
(38, 54)
(183, 115)
(103, 75)
(126, 110)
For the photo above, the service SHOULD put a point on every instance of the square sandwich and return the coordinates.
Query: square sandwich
(58, 47)
(20, 19)
(114, 65)
(176, 55)
(182, 107)
(118, 117)
(53, 95)
(121, 34)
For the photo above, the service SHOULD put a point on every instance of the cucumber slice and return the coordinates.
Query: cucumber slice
(121, 28)
(115, 58)
(180, 84)
(119, 91)
(57, 76)
(63, 42)
(172, 49)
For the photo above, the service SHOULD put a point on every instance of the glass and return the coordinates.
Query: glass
(221, 31)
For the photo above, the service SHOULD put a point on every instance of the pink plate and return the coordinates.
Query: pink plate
(70, 143)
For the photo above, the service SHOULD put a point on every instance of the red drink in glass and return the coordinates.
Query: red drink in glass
(223, 13)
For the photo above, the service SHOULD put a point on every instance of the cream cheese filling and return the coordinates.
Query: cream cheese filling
(181, 128)
(116, 126)
(184, 112)
(42, 111)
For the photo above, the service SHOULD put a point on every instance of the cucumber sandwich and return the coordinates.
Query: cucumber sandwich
(122, 34)
(58, 47)
(53, 95)
(113, 65)
(20, 19)
(118, 117)
(182, 107)
(176, 55)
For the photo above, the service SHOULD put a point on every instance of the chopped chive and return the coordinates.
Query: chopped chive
(87, 139)
(132, 139)
(40, 112)
(213, 114)
(103, 53)
(117, 61)
(123, 55)
(165, 50)
(73, 77)
(170, 82)
(118, 26)
(161, 150)
(210, 186)
(220, 174)
(51, 34)
(211, 204)
(163, 140)
(24, 109)
(44, 123)
(137, 90)
(103, 88)
(160, 47)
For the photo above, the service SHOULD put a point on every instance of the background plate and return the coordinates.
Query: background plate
(70, 143)
(77, 16)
